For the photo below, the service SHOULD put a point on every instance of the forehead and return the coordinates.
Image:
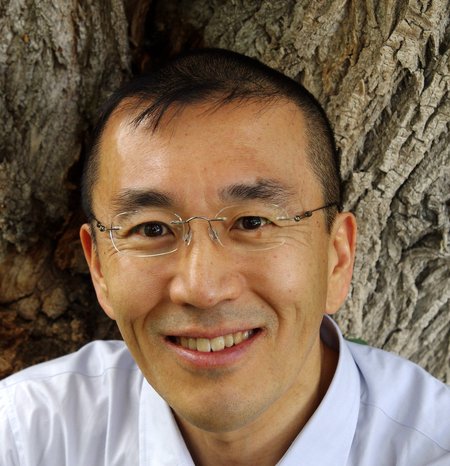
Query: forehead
(198, 151)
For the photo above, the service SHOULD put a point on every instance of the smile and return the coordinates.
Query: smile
(206, 345)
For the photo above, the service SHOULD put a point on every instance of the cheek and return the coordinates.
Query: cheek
(133, 288)
(294, 280)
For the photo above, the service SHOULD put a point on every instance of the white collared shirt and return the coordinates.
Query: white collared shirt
(94, 408)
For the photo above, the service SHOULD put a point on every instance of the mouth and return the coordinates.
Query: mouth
(216, 344)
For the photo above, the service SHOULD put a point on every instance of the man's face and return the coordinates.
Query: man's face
(204, 290)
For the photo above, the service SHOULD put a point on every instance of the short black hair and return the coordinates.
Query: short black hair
(219, 77)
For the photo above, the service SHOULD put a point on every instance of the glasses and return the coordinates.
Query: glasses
(150, 232)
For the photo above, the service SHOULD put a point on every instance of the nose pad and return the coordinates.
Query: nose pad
(212, 232)
(187, 237)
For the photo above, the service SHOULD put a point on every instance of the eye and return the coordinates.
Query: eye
(150, 229)
(251, 222)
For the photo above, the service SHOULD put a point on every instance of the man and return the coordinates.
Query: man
(217, 242)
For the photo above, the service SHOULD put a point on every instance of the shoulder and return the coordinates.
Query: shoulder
(93, 359)
(95, 389)
(78, 376)
(403, 408)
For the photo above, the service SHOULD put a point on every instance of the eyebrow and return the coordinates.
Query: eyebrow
(133, 199)
(264, 189)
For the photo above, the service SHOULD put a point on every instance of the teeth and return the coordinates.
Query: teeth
(238, 337)
(205, 345)
(218, 344)
(229, 340)
(192, 343)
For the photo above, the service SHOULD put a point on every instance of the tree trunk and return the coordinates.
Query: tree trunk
(381, 69)
(58, 61)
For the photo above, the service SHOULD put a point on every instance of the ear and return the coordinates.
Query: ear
(341, 256)
(92, 258)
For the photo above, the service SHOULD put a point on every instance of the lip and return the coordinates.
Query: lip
(213, 359)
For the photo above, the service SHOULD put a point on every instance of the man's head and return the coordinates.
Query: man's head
(218, 77)
(183, 276)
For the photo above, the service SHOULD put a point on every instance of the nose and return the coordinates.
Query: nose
(207, 274)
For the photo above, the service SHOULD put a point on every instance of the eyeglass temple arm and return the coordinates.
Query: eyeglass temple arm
(102, 227)
(308, 213)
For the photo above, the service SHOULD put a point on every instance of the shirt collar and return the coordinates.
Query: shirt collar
(160, 440)
(327, 437)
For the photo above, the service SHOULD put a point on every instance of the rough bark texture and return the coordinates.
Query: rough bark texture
(380, 68)
(58, 61)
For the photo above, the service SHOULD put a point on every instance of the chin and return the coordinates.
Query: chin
(220, 416)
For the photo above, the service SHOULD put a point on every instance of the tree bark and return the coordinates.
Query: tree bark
(380, 68)
(58, 61)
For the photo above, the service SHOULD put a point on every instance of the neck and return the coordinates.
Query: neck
(265, 440)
